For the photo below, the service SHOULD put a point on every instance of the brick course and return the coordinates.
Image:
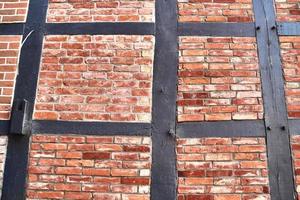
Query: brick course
(218, 79)
(96, 78)
(101, 11)
(89, 167)
(290, 50)
(287, 11)
(215, 11)
(222, 169)
(9, 54)
(12, 11)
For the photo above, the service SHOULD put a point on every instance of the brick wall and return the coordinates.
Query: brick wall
(218, 79)
(290, 49)
(12, 11)
(222, 168)
(215, 11)
(9, 52)
(104, 78)
(3, 146)
(101, 11)
(89, 167)
(287, 11)
(295, 146)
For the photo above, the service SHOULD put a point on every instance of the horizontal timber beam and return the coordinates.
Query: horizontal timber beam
(288, 28)
(91, 128)
(216, 29)
(12, 29)
(249, 128)
(99, 28)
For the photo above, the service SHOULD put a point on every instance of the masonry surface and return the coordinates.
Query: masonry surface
(96, 78)
(287, 11)
(13, 11)
(290, 55)
(101, 11)
(215, 11)
(9, 53)
(84, 167)
(218, 79)
(222, 168)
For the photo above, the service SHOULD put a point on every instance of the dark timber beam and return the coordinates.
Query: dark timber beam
(276, 122)
(91, 128)
(4, 127)
(217, 29)
(249, 128)
(288, 28)
(99, 28)
(15, 173)
(163, 175)
(11, 29)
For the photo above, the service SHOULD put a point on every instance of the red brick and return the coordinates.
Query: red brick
(226, 172)
(85, 167)
(89, 11)
(141, 148)
(83, 77)
(220, 85)
(191, 173)
(13, 11)
(96, 155)
(135, 181)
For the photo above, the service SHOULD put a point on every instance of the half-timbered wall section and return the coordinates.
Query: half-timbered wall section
(149, 99)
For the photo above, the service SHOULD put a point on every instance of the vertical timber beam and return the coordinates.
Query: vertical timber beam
(15, 172)
(164, 175)
(276, 122)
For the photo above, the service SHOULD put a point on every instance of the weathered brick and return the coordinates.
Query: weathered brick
(101, 11)
(215, 11)
(218, 79)
(89, 167)
(235, 172)
(9, 50)
(290, 61)
(13, 11)
(97, 78)
(287, 11)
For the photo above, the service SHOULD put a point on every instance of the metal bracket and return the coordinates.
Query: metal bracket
(20, 123)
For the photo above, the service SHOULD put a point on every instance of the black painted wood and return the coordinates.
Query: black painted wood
(15, 172)
(12, 29)
(249, 128)
(288, 28)
(100, 28)
(163, 174)
(277, 130)
(4, 127)
(91, 128)
(216, 29)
